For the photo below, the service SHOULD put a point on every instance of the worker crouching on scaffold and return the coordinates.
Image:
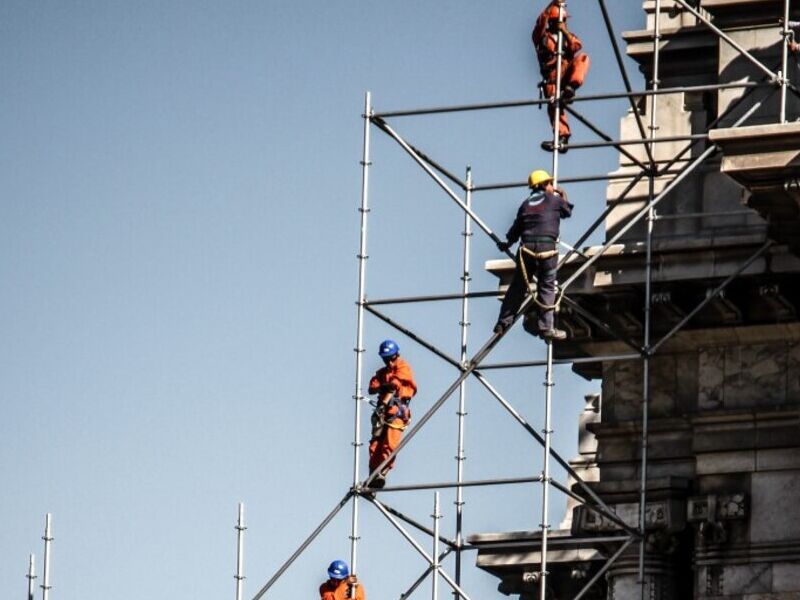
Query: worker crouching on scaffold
(394, 384)
(574, 66)
(340, 584)
(537, 225)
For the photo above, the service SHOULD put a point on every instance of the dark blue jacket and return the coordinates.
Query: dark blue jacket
(539, 216)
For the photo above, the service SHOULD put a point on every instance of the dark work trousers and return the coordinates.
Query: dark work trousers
(545, 272)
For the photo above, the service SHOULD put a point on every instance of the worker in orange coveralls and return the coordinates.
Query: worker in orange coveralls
(395, 387)
(574, 66)
(341, 584)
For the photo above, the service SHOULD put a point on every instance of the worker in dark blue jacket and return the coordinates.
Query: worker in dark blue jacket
(537, 227)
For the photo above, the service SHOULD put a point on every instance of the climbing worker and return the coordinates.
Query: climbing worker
(341, 584)
(537, 226)
(394, 384)
(574, 66)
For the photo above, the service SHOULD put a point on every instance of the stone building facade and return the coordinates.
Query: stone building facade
(723, 500)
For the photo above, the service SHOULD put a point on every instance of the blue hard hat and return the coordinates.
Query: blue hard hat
(338, 570)
(388, 348)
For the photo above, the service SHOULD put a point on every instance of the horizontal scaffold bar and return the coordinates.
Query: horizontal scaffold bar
(519, 103)
(454, 484)
(432, 298)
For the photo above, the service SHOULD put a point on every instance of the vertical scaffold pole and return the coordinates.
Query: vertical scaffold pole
(48, 538)
(436, 565)
(240, 528)
(462, 397)
(548, 383)
(31, 576)
(557, 97)
(547, 431)
(784, 74)
(359, 349)
(648, 294)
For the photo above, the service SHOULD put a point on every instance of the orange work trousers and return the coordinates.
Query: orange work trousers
(573, 73)
(383, 445)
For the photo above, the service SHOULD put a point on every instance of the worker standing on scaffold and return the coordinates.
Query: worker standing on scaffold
(574, 66)
(395, 386)
(341, 584)
(537, 224)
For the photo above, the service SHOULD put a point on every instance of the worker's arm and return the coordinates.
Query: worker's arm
(540, 28)
(573, 42)
(375, 384)
(565, 208)
(513, 233)
(404, 379)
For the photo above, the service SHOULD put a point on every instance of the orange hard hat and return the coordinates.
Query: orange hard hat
(553, 11)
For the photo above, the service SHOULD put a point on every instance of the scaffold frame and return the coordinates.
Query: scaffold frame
(474, 366)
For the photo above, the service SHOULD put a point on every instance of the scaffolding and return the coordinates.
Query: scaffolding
(475, 366)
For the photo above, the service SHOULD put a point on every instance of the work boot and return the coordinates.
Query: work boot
(548, 145)
(567, 94)
(500, 328)
(379, 481)
(553, 334)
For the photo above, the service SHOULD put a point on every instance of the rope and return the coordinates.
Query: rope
(538, 256)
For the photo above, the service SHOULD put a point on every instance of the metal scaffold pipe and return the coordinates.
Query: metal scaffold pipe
(240, 529)
(545, 520)
(648, 281)
(636, 217)
(31, 576)
(433, 110)
(784, 74)
(722, 35)
(462, 390)
(48, 539)
(436, 566)
(415, 544)
(306, 543)
(547, 432)
(358, 396)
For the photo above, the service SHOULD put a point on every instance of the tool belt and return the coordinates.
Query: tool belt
(381, 419)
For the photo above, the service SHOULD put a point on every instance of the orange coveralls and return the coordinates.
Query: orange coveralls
(338, 590)
(398, 378)
(574, 63)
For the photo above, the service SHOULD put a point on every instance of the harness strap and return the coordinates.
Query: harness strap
(393, 425)
(538, 256)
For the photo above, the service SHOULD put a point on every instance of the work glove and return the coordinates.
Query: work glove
(503, 246)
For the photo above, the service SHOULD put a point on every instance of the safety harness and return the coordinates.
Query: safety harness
(538, 256)
(382, 419)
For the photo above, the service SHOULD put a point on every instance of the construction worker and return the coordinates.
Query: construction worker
(341, 584)
(537, 226)
(574, 66)
(394, 384)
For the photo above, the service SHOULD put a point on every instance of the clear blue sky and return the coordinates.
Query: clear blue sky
(178, 230)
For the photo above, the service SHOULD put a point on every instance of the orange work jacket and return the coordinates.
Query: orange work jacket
(398, 377)
(546, 43)
(338, 590)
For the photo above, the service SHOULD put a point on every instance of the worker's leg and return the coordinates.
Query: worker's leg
(393, 437)
(513, 298)
(546, 271)
(575, 73)
(563, 121)
(374, 452)
(382, 447)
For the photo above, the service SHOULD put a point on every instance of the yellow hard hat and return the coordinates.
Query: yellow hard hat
(538, 177)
